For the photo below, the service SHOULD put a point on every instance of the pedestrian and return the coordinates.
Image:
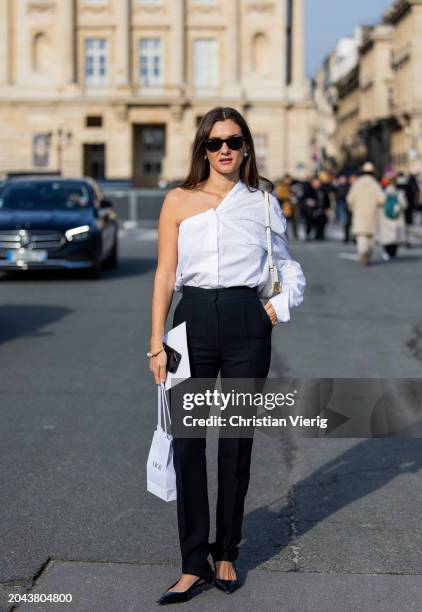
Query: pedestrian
(307, 204)
(317, 205)
(392, 218)
(287, 200)
(342, 209)
(364, 199)
(410, 188)
(299, 188)
(212, 248)
(352, 179)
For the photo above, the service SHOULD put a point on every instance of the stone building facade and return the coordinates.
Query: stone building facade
(350, 145)
(376, 123)
(115, 88)
(364, 103)
(405, 17)
(378, 103)
(337, 64)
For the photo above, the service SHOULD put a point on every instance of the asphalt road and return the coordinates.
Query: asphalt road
(330, 525)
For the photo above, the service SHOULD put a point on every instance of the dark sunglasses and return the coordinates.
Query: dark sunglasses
(234, 143)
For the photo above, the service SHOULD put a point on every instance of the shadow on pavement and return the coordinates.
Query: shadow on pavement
(367, 467)
(17, 320)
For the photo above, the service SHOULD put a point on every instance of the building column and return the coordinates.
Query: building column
(4, 41)
(178, 47)
(298, 49)
(67, 37)
(282, 17)
(123, 43)
(232, 56)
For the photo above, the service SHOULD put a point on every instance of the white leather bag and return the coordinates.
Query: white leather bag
(161, 477)
(272, 286)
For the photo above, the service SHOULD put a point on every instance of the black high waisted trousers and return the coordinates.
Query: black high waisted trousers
(229, 332)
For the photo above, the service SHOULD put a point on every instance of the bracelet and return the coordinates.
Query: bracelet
(149, 354)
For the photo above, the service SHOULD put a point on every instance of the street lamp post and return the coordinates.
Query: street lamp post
(61, 140)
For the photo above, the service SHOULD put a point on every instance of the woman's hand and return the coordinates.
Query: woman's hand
(158, 366)
(271, 313)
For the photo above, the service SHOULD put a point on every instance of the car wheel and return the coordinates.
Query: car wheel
(112, 260)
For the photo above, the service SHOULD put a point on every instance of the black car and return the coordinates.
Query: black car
(56, 223)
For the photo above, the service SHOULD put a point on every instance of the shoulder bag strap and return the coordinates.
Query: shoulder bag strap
(273, 268)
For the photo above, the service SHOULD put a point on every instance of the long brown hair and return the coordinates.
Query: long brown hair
(200, 167)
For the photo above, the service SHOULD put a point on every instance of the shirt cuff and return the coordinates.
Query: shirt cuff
(280, 304)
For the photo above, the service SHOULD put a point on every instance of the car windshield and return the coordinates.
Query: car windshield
(45, 195)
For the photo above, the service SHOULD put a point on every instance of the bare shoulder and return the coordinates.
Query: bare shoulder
(173, 197)
(178, 196)
(177, 204)
(172, 202)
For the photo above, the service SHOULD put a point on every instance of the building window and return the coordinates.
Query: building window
(153, 150)
(40, 150)
(96, 70)
(150, 61)
(94, 121)
(205, 1)
(205, 62)
(150, 1)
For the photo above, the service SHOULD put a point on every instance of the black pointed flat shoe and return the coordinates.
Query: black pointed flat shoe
(227, 586)
(170, 597)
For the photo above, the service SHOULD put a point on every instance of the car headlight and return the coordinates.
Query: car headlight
(77, 233)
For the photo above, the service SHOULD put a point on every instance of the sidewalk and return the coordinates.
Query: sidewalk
(121, 587)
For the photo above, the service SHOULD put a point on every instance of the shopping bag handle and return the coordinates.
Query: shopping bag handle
(163, 407)
(166, 404)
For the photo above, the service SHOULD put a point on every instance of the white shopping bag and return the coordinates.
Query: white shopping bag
(161, 477)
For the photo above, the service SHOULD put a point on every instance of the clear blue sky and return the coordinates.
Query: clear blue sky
(328, 20)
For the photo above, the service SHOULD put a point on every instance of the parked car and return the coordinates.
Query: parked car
(56, 222)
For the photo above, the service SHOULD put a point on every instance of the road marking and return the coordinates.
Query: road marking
(349, 256)
(139, 235)
(335, 233)
(147, 234)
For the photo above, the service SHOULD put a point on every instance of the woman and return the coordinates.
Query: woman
(212, 248)
(392, 218)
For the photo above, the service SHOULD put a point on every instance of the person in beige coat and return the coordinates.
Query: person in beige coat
(393, 231)
(364, 200)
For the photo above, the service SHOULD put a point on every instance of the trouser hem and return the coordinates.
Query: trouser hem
(218, 555)
(226, 557)
(203, 572)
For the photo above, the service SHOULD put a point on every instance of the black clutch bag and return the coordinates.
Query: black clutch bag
(173, 358)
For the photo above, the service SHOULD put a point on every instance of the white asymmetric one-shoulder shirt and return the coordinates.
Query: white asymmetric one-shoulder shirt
(226, 246)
